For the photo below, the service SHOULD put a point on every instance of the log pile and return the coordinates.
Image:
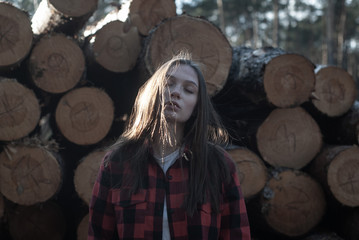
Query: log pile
(67, 88)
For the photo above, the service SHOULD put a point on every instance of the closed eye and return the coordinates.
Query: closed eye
(189, 90)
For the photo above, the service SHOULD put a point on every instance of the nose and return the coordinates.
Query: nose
(175, 93)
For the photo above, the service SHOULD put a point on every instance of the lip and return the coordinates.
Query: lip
(172, 105)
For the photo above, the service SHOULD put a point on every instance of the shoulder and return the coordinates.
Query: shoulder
(224, 156)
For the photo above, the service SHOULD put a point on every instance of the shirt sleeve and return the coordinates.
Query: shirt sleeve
(234, 220)
(102, 223)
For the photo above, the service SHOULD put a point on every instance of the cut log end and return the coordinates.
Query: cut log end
(74, 8)
(289, 138)
(201, 38)
(343, 177)
(56, 63)
(289, 80)
(117, 48)
(82, 229)
(252, 172)
(294, 203)
(84, 116)
(19, 110)
(29, 175)
(39, 222)
(86, 174)
(16, 35)
(336, 91)
(145, 15)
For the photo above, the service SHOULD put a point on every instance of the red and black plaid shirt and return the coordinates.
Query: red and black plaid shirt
(115, 214)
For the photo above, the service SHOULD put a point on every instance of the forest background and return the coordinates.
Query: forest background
(324, 31)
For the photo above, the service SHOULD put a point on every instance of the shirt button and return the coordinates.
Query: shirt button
(169, 177)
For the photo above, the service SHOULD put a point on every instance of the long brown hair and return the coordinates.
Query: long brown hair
(202, 134)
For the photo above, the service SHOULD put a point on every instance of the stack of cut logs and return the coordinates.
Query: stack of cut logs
(67, 88)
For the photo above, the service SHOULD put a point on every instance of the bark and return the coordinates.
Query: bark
(348, 224)
(86, 174)
(293, 203)
(336, 167)
(335, 91)
(201, 38)
(269, 75)
(40, 222)
(241, 111)
(348, 126)
(56, 64)
(252, 172)
(16, 36)
(29, 175)
(289, 138)
(63, 16)
(84, 115)
(19, 110)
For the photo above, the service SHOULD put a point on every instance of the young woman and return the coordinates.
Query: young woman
(167, 177)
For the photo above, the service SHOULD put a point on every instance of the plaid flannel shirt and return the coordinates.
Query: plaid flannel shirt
(114, 214)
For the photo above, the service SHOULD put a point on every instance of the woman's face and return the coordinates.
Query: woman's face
(181, 93)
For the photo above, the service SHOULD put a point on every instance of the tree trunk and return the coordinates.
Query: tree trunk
(252, 172)
(289, 138)
(38, 222)
(275, 34)
(66, 16)
(115, 47)
(241, 111)
(336, 167)
(16, 36)
(341, 33)
(19, 110)
(56, 63)
(146, 14)
(221, 15)
(270, 75)
(335, 90)
(29, 175)
(84, 115)
(255, 26)
(86, 174)
(198, 36)
(292, 203)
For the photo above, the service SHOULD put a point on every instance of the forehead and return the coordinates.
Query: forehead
(183, 72)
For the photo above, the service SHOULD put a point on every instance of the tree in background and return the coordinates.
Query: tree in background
(325, 31)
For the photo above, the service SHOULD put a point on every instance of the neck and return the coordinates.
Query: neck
(161, 149)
